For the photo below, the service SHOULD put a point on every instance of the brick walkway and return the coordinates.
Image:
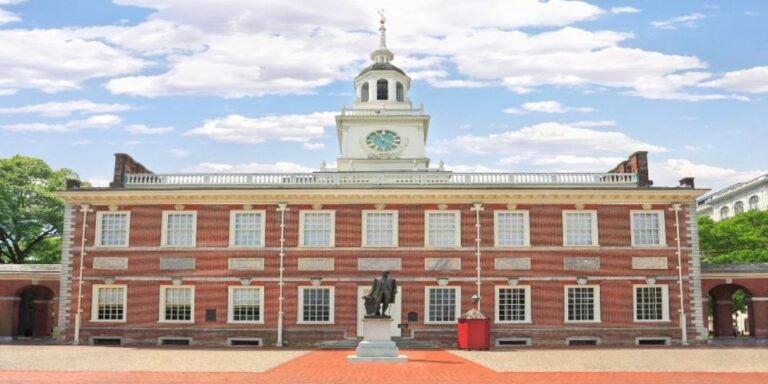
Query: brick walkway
(424, 367)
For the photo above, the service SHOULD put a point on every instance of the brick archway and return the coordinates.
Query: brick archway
(722, 309)
(35, 312)
(722, 280)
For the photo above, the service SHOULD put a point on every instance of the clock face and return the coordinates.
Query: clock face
(383, 140)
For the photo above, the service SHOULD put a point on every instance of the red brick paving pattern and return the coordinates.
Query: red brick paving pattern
(322, 367)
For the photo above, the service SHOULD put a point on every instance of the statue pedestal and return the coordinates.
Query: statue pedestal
(377, 345)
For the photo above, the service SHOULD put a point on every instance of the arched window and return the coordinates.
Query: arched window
(399, 92)
(382, 89)
(723, 213)
(364, 92)
(753, 202)
(738, 208)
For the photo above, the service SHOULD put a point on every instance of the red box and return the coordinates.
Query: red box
(474, 334)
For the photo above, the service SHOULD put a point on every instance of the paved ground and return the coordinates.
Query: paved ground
(330, 367)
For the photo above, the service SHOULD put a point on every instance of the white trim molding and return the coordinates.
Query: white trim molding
(594, 230)
(164, 229)
(231, 304)
(95, 302)
(364, 232)
(161, 307)
(527, 297)
(661, 220)
(332, 240)
(664, 301)
(596, 303)
(457, 309)
(331, 304)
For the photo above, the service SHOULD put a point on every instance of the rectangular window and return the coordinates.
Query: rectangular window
(246, 228)
(579, 228)
(316, 305)
(179, 228)
(582, 303)
(513, 304)
(245, 304)
(511, 229)
(442, 229)
(648, 228)
(112, 229)
(379, 228)
(442, 304)
(651, 302)
(317, 228)
(108, 303)
(177, 304)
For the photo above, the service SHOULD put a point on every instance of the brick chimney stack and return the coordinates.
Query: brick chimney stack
(636, 163)
(125, 164)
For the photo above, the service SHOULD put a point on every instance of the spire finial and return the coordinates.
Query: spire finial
(382, 30)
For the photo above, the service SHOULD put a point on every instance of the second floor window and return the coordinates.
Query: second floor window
(112, 229)
(246, 229)
(317, 229)
(648, 228)
(379, 228)
(511, 228)
(179, 228)
(442, 229)
(579, 228)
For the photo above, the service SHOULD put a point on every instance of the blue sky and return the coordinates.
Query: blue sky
(252, 86)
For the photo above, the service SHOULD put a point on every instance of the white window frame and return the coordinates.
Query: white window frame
(526, 228)
(231, 304)
(395, 222)
(497, 301)
(457, 313)
(164, 231)
(664, 300)
(233, 214)
(457, 234)
(95, 303)
(595, 236)
(161, 311)
(596, 311)
(99, 218)
(332, 304)
(661, 224)
(333, 228)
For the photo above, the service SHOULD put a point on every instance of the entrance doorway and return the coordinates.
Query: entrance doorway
(394, 311)
(731, 311)
(36, 312)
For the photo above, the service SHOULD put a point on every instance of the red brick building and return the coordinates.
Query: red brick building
(28, 300)
(285, 258)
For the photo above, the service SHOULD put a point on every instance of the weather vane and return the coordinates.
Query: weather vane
(381, 13)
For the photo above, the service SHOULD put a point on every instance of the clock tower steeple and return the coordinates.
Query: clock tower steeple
(382, 131)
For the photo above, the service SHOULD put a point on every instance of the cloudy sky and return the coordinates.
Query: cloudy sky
(515, 86)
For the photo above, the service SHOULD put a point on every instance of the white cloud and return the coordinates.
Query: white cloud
(61, 60)
(620, 10)
(8, 17)
(97, 122)
(462, 168)
(669, 171)
(242, 129)
(56, 108)
(8, 92)
(97, 182)
(78, 143)
(752, 80)
(141, 129)
(179, 152)
(593, 123)
(314, 146)
(688, 21)
(534, 146)
(549, 106)
(279, 167)
(11, 2)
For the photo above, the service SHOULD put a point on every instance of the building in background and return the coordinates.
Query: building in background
(276, 259)
(742, 197)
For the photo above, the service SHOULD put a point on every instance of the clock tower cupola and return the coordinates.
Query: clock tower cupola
(382, 131)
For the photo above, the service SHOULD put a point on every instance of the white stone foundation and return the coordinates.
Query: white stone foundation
(377, 345)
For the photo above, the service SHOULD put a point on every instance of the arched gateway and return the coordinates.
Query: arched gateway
(732, 287)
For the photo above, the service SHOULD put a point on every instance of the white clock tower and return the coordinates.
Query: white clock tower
(382, 131)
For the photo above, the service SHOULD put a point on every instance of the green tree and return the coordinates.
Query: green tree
(31, 215)
(740, 239)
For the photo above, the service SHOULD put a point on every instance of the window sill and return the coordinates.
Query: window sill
(177, 246)
(583, 321)
(110, 246)
(513, 322)
(315, 322)
(653, 246)
(246, 246)
(379, 246)
(109, 321)
(441, 322)
(503, 247)
(245, 322)
(176, 321)
(582, 246)
(652, 321)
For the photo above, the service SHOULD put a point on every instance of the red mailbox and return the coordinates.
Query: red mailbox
(474, 334)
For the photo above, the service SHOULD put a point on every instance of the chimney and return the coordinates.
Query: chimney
(73, 184)
(636, 163)
(125, 164)
(687, 182)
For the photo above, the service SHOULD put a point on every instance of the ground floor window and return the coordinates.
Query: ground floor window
(513, 304)
(651, 302)
(582, 303)
(442, 304)
(316, 305)
(245, 304)
(177, 304)
(108, 303)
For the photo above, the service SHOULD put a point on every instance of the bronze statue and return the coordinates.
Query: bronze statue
(382, 294)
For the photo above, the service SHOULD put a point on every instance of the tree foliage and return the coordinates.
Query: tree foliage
(31, 215)
(742, 238)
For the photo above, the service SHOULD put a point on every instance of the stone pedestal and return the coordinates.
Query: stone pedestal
(377, 345)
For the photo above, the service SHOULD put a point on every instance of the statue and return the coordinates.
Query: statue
(382, 294)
